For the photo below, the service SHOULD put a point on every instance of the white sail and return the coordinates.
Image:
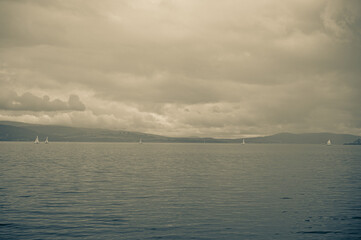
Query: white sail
(140, 141)
(46, 140)
(329, 142)
(243, 142)
(36, 140)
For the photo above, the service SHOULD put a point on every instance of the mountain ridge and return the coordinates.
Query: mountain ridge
(19, 131)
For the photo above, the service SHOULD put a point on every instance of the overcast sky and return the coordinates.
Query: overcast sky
(208, 68)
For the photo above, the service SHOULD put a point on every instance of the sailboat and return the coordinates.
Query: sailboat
(243, 142)
(140, 141)
(36, 140)
(329, 142)
(46, 140)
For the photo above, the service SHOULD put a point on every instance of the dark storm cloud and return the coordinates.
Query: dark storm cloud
(10, 100)
(217, 68)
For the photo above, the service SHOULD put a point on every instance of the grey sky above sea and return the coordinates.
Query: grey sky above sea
(207, 68)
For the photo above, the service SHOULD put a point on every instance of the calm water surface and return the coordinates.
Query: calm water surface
(179, 191)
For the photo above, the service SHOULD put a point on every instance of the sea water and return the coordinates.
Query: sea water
(179, 191)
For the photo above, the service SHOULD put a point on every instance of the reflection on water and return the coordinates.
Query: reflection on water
(179, 191)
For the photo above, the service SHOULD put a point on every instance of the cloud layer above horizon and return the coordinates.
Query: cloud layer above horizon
(182, 67)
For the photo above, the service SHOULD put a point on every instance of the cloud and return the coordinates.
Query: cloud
(206, 68)
(343, 19)
(10, 100)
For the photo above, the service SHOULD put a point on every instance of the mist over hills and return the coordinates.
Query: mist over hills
(18, 131)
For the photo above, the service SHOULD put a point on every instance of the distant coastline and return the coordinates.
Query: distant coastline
(18, 131)
(356, 142)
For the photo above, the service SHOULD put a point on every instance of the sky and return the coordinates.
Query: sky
(207, 68)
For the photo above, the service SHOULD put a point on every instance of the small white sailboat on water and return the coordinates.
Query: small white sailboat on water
(329, 142)
(140, 141)
(46, 140)
(36, 140)
(243, 142)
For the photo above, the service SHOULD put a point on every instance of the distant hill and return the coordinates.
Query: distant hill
(305, 138)
(17, 131)
(12, 133)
